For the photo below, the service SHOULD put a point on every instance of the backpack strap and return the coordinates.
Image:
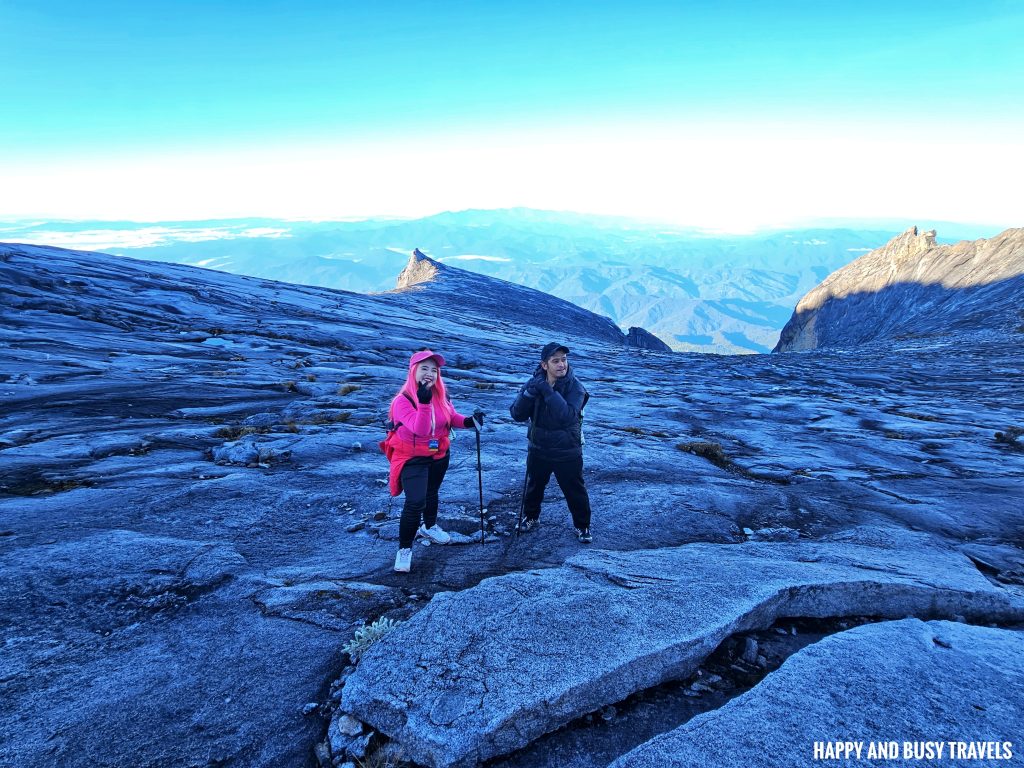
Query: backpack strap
(391, 425)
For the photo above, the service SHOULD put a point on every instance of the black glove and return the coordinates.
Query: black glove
(532, 388)
(424, 393)
(478, 417)
(544, 389)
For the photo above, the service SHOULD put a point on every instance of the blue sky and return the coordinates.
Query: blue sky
(258, 103)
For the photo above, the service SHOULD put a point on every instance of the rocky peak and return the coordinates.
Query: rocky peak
(909, 244)
(443, 289)
(419, 269)
(644, 339)
(913, 286)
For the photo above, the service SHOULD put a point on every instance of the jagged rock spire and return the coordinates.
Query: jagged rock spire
(420, 269)
(909, 244)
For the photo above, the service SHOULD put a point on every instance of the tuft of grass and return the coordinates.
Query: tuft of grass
(41, 486)
(1011, 438)
(711, 451)
(331, 417)
(310, 377)
(639, 431)
(366, 636)
(484, 385)
(383, 759)
(236, 431)
(919, 416)
(289, 386)
(346, 389)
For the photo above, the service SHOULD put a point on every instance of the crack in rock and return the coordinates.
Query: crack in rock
(579, 644)
(969, 687)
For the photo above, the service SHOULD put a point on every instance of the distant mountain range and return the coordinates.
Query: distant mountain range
(696, 291)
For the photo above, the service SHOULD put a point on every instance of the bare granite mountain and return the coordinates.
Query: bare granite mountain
(468, 294)
(913, 287)
(194, 523)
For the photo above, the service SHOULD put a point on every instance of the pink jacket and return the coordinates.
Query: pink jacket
(413, 436)
(415, 421)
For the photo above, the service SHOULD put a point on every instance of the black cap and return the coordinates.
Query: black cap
(550, 349)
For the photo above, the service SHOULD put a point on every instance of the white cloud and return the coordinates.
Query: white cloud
(719, 177)
(474, 257)
(144, 237)
(265, 232)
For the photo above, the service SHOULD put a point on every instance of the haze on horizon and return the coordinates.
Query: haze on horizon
(730, 116)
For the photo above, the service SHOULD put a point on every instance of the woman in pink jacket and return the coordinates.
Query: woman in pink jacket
(418, 450)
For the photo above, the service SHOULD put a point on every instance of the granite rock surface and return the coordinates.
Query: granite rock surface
(193, 517)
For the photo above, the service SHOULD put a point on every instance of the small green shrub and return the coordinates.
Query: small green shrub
(383, 759)
(366, 636)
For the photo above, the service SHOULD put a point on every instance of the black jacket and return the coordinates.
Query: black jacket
(555, 432)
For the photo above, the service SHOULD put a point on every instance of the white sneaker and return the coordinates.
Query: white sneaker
(434, 533)
(403, 561)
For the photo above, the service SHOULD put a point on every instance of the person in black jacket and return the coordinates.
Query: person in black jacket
(552, 401)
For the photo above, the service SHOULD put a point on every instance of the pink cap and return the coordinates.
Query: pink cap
(425, 354)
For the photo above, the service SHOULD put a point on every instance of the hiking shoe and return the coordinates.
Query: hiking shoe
(434, 533)
(403, 561)
(584, 535)
(528, 524)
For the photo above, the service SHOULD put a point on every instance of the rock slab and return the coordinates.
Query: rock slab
(483, 672)
(968, 689)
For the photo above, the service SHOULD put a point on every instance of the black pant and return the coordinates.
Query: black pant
(421, 479)
(569, 475)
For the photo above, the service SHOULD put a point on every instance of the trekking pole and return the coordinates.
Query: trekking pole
(526, 477)
(522, 496)
(480, 481)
